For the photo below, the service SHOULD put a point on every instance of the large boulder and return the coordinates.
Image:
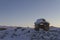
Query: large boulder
(41, 23)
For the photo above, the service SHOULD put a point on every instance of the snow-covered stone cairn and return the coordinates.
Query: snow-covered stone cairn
(41, 23)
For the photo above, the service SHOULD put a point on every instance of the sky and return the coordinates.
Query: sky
(26, 12)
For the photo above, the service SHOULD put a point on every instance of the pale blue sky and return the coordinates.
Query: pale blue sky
(25, 12)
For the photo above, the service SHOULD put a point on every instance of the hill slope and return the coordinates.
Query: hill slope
(20, 33)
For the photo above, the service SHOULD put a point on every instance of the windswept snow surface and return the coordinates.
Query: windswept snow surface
(20, 33)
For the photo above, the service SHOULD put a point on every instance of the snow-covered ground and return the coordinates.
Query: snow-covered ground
(21, 33)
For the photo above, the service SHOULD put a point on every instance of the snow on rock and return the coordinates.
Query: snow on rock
(20, 33)
(39, 21)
